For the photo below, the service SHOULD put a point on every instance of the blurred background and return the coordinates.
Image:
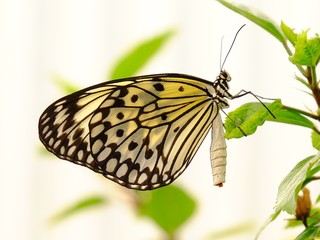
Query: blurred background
(81, 41)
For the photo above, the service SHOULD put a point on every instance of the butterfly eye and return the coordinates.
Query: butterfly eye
(224, 75)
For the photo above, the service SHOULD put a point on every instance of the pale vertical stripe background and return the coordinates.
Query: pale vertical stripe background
(80, 40)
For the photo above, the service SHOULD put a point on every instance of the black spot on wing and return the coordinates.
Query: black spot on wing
(148, 154)
(119, 133)
(163, 116)
(123, 92)
(159, 87)
(118, 103)
(134, 98)
(107, 125)
(120, 115)
(132, 145)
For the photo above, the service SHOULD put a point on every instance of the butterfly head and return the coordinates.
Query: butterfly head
(222, 80)
(224, 76)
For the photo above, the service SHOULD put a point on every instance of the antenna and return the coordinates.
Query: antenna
(234, 39)
(221, 44)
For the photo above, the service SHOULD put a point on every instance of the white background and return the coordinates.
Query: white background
(81, 40)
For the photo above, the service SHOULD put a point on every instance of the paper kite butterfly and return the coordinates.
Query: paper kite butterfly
(140, 132)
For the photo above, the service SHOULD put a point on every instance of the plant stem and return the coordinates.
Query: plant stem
(312, 80)
(171, 236)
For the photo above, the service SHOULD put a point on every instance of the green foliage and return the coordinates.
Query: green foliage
(310, 233)
(248, 117)
(138, 57)
(315, 140)
(291, 116)
(176, 207)
(257, 18)
(292, 183)
(65, 85)
(307, 51)
(314, 218)
(290, 187)
(77, 207)
(304, 53)
(289, 33)
(251, 115)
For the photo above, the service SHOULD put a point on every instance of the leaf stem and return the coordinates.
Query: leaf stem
(308, 114)
(170, 236)
(314, 178)
(286, 47)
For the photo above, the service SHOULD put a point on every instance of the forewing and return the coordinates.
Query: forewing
(63, 126)
(145, 134)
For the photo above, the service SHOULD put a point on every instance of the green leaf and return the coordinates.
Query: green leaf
(291, 116)
(292, 183)
(251, 115)
(288, 32)
(311, 174)
(310, 233)
(315, 140)
(307, 51)
(78, 207)
(256, 18)
(269, 220)
(248, 117)
(292, 223)
(314, 216)
(64, 85)
(129, 64)
(169, 207)
(289, 189)
(312, 219)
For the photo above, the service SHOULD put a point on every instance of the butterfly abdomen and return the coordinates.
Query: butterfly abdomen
(218, 152)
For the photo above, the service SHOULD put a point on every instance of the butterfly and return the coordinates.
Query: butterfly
(141, 132)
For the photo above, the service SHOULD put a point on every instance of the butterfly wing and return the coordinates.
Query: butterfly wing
(63, 126)
(140, 132)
